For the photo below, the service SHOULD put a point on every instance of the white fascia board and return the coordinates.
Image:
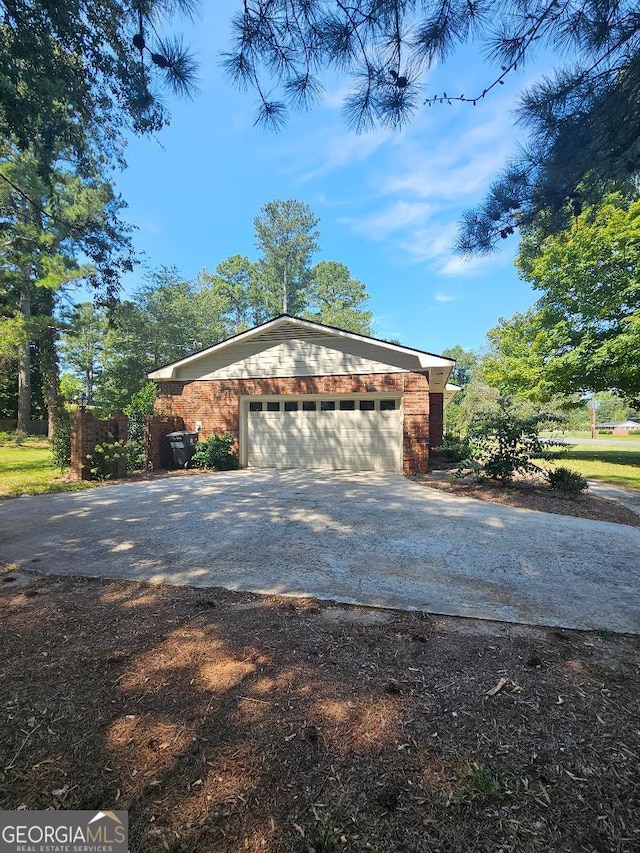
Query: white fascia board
(425, 360)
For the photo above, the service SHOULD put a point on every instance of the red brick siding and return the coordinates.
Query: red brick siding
(436, 420)
(158, 449)
(216, 403)
(86, 432)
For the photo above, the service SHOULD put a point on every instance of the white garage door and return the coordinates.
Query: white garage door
(358, 434)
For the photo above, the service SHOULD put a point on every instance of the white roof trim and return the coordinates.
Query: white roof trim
(426, 360)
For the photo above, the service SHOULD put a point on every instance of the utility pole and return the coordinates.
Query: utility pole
(592, 413)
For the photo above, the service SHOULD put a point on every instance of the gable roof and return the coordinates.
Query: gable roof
(270, 331)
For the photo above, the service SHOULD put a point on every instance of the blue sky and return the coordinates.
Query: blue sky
(388, 202)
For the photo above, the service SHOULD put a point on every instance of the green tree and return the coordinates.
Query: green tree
(466, 364)
(229, 298)
(77, 73)
(477, 399)
(583, 121)
(163, 322)
(518, 356)
(583, 334)
(337, 299)
(287, 237)
(82, 344)
(47, 224)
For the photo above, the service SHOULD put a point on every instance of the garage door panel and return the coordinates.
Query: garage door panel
(334, 439)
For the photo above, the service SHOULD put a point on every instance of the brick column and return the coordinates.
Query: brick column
(82, 436)
(415, 439)
(157, 447)
(436, 419)
(86, 432)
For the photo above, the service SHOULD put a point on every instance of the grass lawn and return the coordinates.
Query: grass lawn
(27, 469)
(616, 465)
(599, 436)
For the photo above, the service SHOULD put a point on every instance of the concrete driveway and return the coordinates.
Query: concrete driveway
(372, 539)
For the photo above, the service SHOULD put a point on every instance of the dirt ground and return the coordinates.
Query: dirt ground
(528, 493)
(233, 722)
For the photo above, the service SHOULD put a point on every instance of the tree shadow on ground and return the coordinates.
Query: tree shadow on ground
(231, 722)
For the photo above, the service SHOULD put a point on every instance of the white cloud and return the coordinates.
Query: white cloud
(330, 152)
(432, 241)
(445, 297)
(459, 167)
(394, 218)
(456, 266)
(335, 98)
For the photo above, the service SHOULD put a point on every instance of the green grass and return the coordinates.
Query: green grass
(583, 433)
(27, 470)
(619, 466)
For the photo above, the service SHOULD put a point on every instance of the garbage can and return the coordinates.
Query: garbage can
(183, 446)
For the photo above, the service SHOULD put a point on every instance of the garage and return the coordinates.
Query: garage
(294, 393)
(362, 433)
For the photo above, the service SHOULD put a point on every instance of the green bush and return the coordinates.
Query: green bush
(140, 406)
(634, 432)
(566, 481)
(605, 432)
(216, 452)
(108, 460)
(454, 448)
(60, 443)
(505, 443)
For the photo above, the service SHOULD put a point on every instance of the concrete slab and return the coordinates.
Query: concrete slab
(371, 539)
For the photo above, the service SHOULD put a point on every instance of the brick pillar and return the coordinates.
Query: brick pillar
(158, 449)
(82, 443)
(436, 422)
(415, 455)
(86, 432)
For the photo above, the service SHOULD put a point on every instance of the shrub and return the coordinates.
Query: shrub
(634, 432)
(140, 406)
(216, 452)
(605, 432)
(454, 448)
(107, 460)
(566, 481)
(5, 437)
(505, 443)
(60, 443)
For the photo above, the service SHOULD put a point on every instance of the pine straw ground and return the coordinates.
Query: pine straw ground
(526, 492)
(233, 722)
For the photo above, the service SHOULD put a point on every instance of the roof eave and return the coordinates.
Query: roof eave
(426, 360)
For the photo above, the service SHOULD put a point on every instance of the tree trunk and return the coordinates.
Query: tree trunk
(51, 371)
(24, 364)
(284, 292)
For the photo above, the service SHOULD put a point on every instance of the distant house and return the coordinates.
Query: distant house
(620, 427)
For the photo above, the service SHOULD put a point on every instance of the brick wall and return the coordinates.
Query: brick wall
(436, 419)
(86, 432)
(157, 447)
(216, 403)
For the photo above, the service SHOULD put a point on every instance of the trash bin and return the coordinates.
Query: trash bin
(183, 446)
